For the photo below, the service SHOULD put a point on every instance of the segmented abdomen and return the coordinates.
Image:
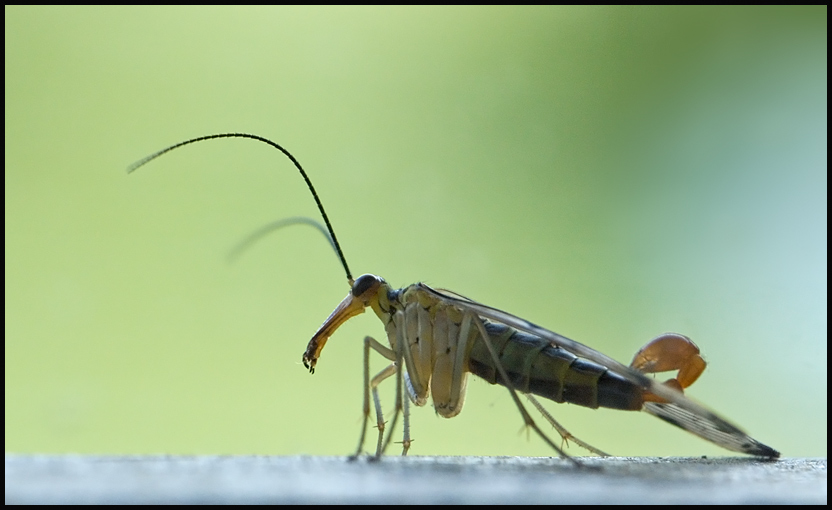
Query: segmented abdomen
(535, 366)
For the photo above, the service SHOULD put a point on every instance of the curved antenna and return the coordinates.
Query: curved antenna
(267, 229)
(155, 155)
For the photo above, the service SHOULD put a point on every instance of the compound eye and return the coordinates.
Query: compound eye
(364, 283)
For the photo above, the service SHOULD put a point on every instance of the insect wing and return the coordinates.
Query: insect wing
(735, 440)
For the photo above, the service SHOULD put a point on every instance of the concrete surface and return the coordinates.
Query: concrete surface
(394, 480)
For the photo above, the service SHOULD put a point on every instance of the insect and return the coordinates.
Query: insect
(436, 338)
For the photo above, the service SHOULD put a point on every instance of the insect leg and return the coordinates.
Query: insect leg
(380, 425)
(406, 437)
(527, 419)
(368, 385)
(398, 320)
(564, 434)
(417, 360)
(417, 332)
(450, 374)
(411, 332)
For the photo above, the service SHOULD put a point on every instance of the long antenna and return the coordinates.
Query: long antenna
(155, 155)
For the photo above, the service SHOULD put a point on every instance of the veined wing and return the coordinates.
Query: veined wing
(735, 440)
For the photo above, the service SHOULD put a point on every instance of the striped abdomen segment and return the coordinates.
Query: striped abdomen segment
(537, 367)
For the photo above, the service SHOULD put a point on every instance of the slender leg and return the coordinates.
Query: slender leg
(398, 319)
(564, 434)
(459, 341)
(406, 437)
(384, 374)
(527, 419)
(416, 326)
(380, 425)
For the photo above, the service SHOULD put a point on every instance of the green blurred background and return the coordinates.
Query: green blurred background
(611, 173)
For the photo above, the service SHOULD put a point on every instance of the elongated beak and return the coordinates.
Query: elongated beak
(349, 307)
